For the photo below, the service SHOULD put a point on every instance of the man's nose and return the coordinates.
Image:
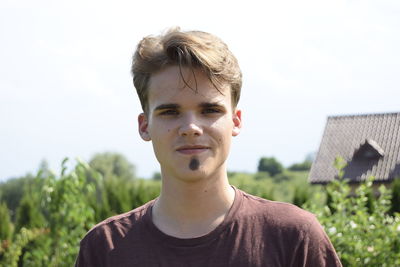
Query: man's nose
(190, 126)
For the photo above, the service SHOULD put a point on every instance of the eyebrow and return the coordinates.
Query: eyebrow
(167, 106)
(176, 106)
(210, 105)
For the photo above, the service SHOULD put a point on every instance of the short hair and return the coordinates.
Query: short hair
(193, 49)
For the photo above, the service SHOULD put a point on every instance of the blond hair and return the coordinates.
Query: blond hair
(193, 49)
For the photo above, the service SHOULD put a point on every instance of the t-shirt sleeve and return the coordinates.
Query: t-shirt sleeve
(80, 259)
(316, 248)
(89, 254)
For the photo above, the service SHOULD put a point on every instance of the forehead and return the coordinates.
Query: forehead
(184, 86)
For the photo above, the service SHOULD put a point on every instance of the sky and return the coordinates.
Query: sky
(66, 88)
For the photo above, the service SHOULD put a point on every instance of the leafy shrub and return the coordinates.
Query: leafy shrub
(395, 200)
(301, 195)
(29, 214)
(68, 217)
(112, 165)
(362, 236)
(261, 187)
(304, 166)
(6, 228)
(10, 255)
(11, 192)
(361, 228)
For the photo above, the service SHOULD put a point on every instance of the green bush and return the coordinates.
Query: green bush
(301, 195)
(262, 187)
(395, 199)
(6, 227)
(11, 192)
(304, 166)
(55, 241)
(29, 214)
(362, 231)
(365, 231)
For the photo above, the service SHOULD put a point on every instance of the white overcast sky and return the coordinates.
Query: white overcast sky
(66, 90)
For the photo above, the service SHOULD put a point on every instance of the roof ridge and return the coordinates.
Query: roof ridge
(363, 115)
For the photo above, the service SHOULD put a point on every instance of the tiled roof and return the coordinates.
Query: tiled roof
(373, 134)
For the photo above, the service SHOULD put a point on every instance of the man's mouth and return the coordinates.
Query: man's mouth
(192, 149)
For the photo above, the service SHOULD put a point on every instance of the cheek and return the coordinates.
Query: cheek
(221, 130)
(222, 139)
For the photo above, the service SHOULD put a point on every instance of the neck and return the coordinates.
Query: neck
(191, 209)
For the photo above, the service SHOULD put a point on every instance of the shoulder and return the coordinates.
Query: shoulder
(117, 232)
(291, 227)
(277, 214)
(117, 226)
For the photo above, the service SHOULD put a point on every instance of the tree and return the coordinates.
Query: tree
(28, 214)
(303, 166)
(156, 176)
(5, 223)
(70, 217)
(11, 192)
(301, 195)
(395, 199)
(112, 165)
(270, 165)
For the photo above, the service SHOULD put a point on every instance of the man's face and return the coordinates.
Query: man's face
(191, 131)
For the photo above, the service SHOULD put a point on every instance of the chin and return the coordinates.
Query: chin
(182, 172)
(192, 176)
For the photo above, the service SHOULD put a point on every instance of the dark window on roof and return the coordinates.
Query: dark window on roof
(364, 158)
(369, 150)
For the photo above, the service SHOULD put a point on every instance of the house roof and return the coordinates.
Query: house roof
(369, 143)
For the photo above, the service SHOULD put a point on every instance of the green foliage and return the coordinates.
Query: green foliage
(112, 165)
(28, 214)
(68, 217)
(340, 163)
(10, 255)
(395, 199)
(56, 211)
(281, 187)
(11, 192)
(261, 176)
(156, 176)
(144, 191)
(260, 187)
(303, 166)
(361, 227)
(361, 230)
(117, 193)
(283, 176)
(301, 195)
(361, 237)
(119, 196)
(6, 227)
(270, 165)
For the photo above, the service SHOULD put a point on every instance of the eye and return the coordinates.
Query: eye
(211, 110)
(169, 112)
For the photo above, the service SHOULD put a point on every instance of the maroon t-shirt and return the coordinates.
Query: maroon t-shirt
(255, 232)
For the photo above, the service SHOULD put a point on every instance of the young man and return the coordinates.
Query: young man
(189, 87)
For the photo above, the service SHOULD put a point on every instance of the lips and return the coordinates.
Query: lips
(192, 149)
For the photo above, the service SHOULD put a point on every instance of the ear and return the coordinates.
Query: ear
(143, 127)
(237, 122)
